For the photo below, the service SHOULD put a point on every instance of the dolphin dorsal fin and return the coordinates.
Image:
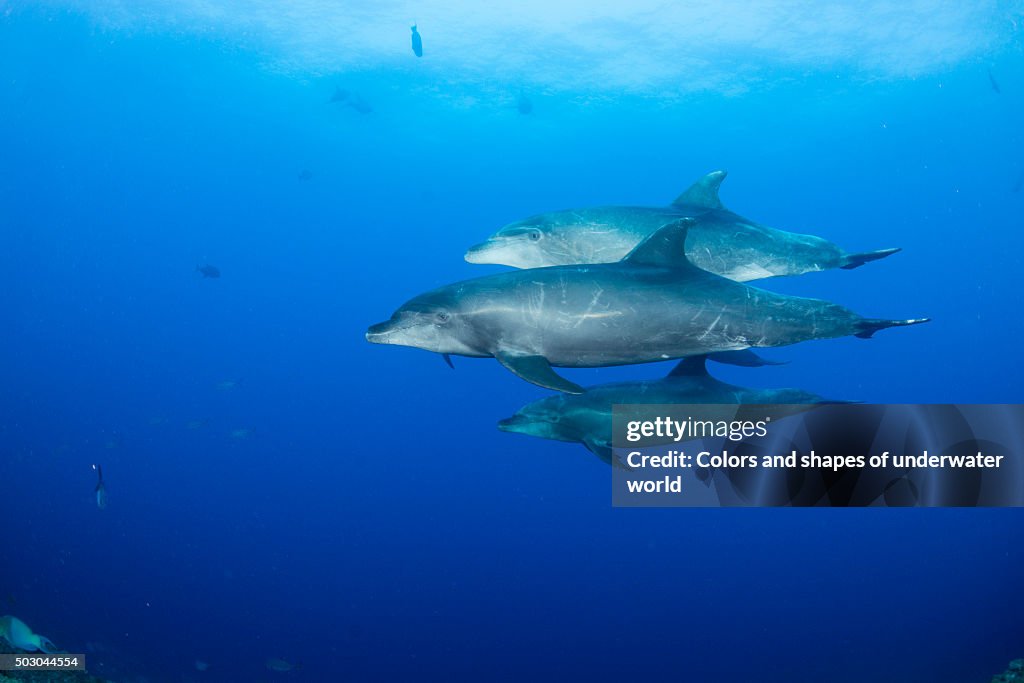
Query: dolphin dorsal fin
(691, 366)
(664, 248)
(703, 193)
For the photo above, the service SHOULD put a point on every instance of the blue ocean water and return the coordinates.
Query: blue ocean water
(279, 488)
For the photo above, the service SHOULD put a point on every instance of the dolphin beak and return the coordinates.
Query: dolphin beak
(381, 332)
(516, 423)
(478, 252)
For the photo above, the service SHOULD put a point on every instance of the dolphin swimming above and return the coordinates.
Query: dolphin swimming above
(651, 306)
(587, 418)
(721, 241)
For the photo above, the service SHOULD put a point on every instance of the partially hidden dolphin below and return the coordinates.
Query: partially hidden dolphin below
(720, 241)
(587, 418)
(651, 306)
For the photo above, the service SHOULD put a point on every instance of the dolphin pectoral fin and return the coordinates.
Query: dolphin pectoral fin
(448, 360)
(703, 193)
(537, 370)
(603, 450)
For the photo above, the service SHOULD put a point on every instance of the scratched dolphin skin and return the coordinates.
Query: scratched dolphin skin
(653, 305)
(720, 241)
(587, 418)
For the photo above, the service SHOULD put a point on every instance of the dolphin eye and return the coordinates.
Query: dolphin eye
(534, 235)
(443, 316)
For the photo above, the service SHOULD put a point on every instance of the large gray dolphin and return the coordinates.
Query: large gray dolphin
(587, 418)
(720, 241)
(653, 305)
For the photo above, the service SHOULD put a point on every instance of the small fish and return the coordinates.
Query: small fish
(208, 271)
(243, 433)
(201, 665)
(1020, 182)
(193, 425)
(524, 105)
(359, 104)
(228, 384)
(305, 174)
(340, 94)
(417, 42)
(349, 99)
(280, 665)
(992, 82)
(101, 488)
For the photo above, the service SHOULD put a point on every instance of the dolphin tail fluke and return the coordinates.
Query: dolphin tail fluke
(858, 260)
(867, 327)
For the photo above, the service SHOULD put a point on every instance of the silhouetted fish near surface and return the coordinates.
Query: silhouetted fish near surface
(101, 489)
(305, 174)
(587, 418)
(417, 42)
(208, 271)
(992, 82)
(651, 306)
(350, 99)
(340, 94)
(524, 105)
(359, 104)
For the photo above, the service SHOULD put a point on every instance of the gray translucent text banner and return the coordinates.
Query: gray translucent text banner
(827, 455)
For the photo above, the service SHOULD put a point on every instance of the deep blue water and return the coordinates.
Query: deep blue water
(372, 523)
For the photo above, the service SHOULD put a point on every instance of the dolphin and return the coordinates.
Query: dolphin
(653, 305)
(720, 241)
(587, 418)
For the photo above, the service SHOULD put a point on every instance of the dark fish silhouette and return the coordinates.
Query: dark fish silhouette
(524, 105)
(208, 271)
(350, 99)
(305, 174)
(101, 489)
(280, 665)
(359, 104)
(992, 82)
(417, 42)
